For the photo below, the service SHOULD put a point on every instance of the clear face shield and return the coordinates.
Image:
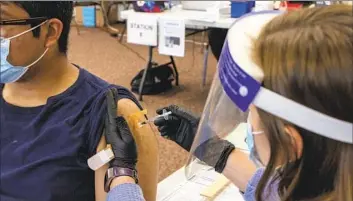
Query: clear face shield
(220, 119)
(236, 87)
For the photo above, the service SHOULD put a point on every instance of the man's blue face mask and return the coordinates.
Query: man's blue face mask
(8, 72)
(251, 145)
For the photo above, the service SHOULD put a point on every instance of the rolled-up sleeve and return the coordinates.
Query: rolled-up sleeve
(126, 192)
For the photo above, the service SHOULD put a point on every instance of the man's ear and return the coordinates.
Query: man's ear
(55, 27)
(297, 140)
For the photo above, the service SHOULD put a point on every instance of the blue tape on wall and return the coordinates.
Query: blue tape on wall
(89, 16)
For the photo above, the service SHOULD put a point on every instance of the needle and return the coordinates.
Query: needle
(164, 115)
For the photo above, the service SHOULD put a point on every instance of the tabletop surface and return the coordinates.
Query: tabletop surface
(177, 187)
(191, 17)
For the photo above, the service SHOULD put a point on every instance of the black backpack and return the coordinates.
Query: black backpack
(158, 79)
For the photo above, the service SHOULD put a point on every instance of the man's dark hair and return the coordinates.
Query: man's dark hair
(61, 10)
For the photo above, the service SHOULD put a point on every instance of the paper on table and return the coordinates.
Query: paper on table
(190, 190)
(209, 16)
(171, 36)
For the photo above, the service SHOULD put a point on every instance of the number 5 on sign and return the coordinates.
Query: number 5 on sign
(142, 29)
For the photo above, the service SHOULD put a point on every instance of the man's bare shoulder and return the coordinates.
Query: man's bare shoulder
(126, 107)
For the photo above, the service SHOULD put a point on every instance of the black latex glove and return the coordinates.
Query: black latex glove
(180, 127)
(214, 152)
(118, 135)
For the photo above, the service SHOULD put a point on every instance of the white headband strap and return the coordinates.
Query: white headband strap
(303, 116)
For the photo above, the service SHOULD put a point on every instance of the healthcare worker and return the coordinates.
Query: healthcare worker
(286, 80)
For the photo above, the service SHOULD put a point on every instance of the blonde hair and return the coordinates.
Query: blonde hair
(306, 56)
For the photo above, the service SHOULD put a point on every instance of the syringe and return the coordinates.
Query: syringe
(164, 115)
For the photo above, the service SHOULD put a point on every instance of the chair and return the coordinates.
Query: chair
(75, 22)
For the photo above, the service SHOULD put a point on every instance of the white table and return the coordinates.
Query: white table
(195, 19)
(200, 20)
(176, 186)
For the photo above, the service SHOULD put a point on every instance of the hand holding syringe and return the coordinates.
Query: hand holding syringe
(106, 155)
(164, 115)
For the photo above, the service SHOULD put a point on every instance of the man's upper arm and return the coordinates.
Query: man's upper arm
(147, 146)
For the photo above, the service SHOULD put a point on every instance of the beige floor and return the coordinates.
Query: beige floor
(103, 56)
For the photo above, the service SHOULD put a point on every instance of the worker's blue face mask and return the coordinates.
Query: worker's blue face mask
(8, 72)
(251, 145)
